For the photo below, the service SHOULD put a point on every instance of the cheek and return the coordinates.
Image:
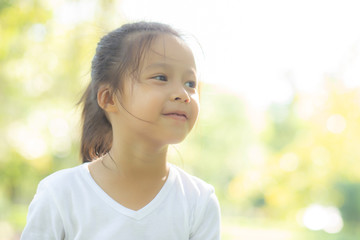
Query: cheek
(196, 102)
(147, 106)
(195, 109)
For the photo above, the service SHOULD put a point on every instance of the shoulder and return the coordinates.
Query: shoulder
(204, 205)
(192, 184)
(45, 219)
(60, 180)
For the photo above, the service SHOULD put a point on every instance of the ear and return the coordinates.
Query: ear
(105, 99)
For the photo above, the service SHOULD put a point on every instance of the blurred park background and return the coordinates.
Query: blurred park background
(279, 130)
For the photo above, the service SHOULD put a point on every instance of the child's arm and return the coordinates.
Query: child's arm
(43, 220)
(207, 222)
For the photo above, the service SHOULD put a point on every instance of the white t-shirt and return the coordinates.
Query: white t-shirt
(70, 205)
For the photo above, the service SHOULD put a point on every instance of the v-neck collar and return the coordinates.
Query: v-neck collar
(135, 214)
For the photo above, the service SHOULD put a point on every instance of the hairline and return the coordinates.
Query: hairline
(142, 42)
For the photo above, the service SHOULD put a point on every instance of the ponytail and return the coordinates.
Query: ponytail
(96, 138)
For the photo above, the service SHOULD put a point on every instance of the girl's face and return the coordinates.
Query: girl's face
(162, 105)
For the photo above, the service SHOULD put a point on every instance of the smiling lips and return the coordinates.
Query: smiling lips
(177, 116)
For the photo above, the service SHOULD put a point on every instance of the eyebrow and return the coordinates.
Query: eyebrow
(167, 66)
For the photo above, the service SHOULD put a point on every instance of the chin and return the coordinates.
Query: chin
(175, 139)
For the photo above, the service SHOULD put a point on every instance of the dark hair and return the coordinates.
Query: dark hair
(118, 54)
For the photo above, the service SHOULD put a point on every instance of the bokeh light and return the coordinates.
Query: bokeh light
(289, 162)
(318, 217)
(336, 123)
(27, 141)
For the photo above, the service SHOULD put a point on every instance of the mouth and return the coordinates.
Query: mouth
(177, 115)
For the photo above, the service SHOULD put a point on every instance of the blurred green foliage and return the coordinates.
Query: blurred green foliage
(267, 166)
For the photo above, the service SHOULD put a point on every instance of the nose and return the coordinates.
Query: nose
(187, 100)
(180, 95)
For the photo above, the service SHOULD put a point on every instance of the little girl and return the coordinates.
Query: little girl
(143, 96)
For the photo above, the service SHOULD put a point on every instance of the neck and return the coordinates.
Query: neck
(138, 159)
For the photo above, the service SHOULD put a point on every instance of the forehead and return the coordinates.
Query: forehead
(170, 50)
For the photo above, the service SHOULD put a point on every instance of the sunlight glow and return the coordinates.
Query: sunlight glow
(264, 50)
(59, 127)
(61, 146)
(336, 124)
(38, 84)
(7, 230)
(28, 141)
(318, 217)
(74, 12)
(37, 32)
(257, 155)
(320, 156)
(289, 162)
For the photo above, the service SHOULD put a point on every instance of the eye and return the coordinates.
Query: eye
(160, 78)
(191, 84)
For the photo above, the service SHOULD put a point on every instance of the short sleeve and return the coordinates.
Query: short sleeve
(207, 220)
(43, 219)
